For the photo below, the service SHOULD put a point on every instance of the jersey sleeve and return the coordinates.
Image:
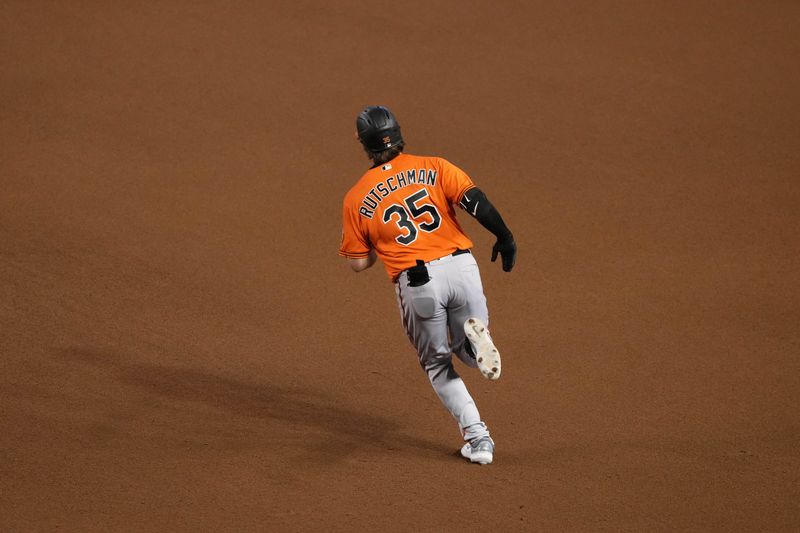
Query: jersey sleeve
(455, 181)
(354, 242)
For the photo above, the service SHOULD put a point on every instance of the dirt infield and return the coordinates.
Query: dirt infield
(181, 348)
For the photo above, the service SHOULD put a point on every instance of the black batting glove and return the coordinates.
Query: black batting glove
(507, 249)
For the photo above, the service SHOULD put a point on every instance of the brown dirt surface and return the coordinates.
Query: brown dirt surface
(181, 348)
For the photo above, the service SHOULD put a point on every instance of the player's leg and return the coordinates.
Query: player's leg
(468, 302)
(424, 319)
(425, 316)
(453, 393)
(467, 309)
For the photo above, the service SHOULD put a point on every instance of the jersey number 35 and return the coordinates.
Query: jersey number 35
(406, 217)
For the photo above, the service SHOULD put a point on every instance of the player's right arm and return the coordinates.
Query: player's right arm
(362, 263)
(356, 246)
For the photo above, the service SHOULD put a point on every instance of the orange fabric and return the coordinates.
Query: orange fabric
(404, 210)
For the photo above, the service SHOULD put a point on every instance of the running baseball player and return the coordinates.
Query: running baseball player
(402, 210)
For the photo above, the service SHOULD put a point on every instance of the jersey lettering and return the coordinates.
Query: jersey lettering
(404, 178)
(431, 182)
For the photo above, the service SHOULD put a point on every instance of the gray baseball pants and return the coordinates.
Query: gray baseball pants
(433, 316)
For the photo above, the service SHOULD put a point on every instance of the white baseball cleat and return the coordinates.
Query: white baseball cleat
(486, 355)
(479, 451)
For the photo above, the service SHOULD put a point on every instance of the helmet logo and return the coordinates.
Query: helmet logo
(387, 139)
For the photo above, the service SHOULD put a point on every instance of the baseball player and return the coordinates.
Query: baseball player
(402, 210)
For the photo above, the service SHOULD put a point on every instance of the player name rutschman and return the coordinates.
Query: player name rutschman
(402, 179)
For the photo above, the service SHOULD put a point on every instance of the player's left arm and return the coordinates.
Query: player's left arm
(475, 202)
(362, 263)
(459, 188)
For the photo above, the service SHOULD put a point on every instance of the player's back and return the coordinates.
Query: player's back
(404, 209)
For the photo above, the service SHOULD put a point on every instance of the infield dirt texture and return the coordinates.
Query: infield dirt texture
(181, 348)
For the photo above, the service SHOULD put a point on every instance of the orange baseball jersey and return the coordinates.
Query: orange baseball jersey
(404, 210)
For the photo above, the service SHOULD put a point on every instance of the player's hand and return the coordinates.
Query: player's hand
(507, 249)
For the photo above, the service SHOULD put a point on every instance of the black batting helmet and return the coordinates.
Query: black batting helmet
(378, 130)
